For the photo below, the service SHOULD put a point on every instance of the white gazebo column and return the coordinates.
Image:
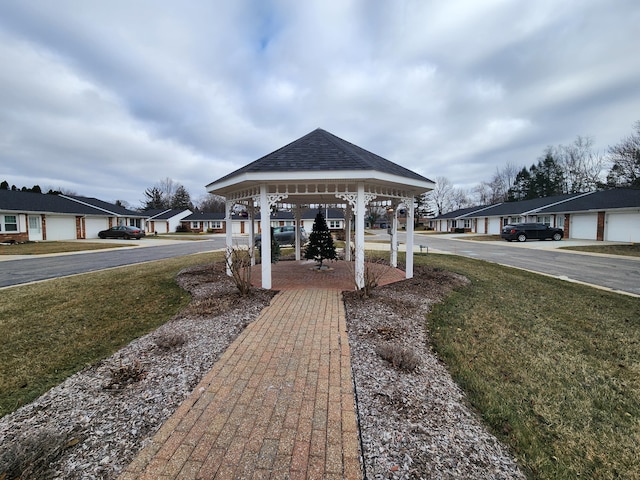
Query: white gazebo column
(359, 211)
(265, 239)
(229, 235)
(409, 257)
(251, 215)
(347, 233)
(297, 212)
(394, 235)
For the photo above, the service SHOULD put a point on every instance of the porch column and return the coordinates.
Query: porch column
(394, 235)
(251, 215)
(359, 211)
(347, 231)
(229, 235)
(297, 213)
(265, 222)
(409, 257)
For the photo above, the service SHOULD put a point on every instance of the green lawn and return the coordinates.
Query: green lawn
(42, 248)
(552, 367)
(632, 250)
(53, 329)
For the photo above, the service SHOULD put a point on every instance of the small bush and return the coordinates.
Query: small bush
(239, 262)
(30, 455)
(400, 357)
(169, 340)
(374, 271)
(126, 374)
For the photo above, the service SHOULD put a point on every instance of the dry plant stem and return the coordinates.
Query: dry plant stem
(239, 263)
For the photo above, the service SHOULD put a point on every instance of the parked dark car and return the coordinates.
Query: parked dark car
(525, 231)
(284, 236)
(122, 231)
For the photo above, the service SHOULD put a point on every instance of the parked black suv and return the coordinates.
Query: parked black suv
(524, 231)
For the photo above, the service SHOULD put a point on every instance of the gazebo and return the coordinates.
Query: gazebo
(320, 168)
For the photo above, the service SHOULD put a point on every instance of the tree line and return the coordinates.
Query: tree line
(4, 185)
(561, 169)
(168, 194)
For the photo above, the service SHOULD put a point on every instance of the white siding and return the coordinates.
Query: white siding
(622, 227)
(61, 228)
(584, 226)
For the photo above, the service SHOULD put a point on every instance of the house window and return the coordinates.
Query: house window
(516, 220)
(546, 219)
(10, 223)
(195, 224)
(335, 224)
(467, 223)
(215, 225)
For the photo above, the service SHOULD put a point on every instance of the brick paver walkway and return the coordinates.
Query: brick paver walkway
(278, 404)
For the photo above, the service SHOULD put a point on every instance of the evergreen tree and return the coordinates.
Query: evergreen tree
(155, 199)
(521, 186)
(181, 199)
(320, 245)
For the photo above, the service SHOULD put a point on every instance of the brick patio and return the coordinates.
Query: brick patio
(279, 403)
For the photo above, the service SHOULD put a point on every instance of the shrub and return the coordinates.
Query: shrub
(239, 262)
(169, 340)
(126, 374)
(30, 455)
(375, 269)
(400, 357)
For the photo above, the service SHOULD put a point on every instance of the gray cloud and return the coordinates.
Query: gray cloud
(108, 98)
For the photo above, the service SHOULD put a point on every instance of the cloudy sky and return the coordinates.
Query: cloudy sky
(108, 98)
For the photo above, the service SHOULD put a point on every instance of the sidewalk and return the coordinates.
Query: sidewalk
(278, 404)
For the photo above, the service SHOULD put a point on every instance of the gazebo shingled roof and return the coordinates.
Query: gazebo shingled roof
(322, 168)
(322, 151)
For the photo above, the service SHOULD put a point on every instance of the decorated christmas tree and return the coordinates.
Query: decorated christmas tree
(320, 245)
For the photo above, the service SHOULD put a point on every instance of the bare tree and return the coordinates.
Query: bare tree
(625, 161)
(440, 196)
(483, 193)
(168, 188)
(211, 203)
(459, 199)
(581, 165)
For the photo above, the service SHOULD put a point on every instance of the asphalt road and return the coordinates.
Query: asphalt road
(615, 273)
(33, 269)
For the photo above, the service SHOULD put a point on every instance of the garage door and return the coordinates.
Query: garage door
(494, 226)
(584, 226)
(622, 227)
(61, 228)
(93, 225)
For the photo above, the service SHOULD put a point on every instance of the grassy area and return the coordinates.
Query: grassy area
(42, 248)
(485, 238)
(552, 367)
(53, 329)
(632, 250)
